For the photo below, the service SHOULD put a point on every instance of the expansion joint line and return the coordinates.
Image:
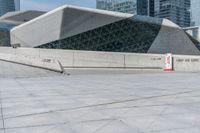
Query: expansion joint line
(2, 116)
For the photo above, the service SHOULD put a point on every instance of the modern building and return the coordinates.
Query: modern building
(194, 32)
(139, 7)
(126, 6)
(195, 11)
(178, 11)
(9, 6)
(12, 19)
(78, 28)
(151, 8)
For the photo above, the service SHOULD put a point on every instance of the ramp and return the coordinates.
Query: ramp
(13, 70)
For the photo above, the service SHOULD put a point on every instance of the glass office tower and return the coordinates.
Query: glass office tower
(8, 6)
(139, 7)
(195, 16)
(126, 6)
(177, 11)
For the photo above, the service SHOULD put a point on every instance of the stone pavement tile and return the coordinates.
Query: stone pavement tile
(102, 104)
(42, 129)
(116, 126)
(149, 124)
(84, 115)
(181, 130)
(1, 125)
(24, 109)
(34, 120)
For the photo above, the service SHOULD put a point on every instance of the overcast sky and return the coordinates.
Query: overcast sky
(51, 4)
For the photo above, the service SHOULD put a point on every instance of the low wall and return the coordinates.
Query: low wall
(34, 61)
(93, 59)
(186, 63)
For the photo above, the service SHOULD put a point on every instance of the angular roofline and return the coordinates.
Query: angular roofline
(104, 12)
(169, 23)
(6, 18)
(192, 27)
(15, 13)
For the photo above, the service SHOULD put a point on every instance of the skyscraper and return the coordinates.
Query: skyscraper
(8, 6)
(140, 7)
(151, 8)
(177, 11)
(195, 12)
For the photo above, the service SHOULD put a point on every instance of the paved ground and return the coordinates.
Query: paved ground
(111, 103)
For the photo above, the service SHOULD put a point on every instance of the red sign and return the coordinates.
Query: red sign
(168, 62)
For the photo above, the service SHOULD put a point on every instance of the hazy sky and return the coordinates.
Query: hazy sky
(51, 4)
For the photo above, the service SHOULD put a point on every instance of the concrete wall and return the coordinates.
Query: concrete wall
(172, 39)
(45, 63)
(92, 59)
(186, 63)
(43, 29)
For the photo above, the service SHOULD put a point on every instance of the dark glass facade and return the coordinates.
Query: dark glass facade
(177, 11)
(152, 8)
(8, 6)
(125, 6)
(128, 35)
(5, 34)
(139, 7)
(142, 7)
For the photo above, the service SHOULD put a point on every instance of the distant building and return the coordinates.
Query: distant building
(12, 19)
(8, 6)
(195, 16)
(177, 11)
(139, 7)
(194, 32)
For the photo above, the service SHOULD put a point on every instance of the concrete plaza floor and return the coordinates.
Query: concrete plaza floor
(45, 102)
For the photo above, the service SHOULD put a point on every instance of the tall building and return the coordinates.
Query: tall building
(139, 7)
(195, 17)
(177, 11)
(151, 8)
(8, 6)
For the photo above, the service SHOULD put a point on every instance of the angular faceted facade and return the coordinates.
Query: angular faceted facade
(122, 36)
(8, 6)
(78, 28)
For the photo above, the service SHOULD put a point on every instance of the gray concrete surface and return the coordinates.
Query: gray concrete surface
(104, 60)
(70, 59)
(91, 59)
(34, 61)
(98, 103)
(11, 70)
(172, 39)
